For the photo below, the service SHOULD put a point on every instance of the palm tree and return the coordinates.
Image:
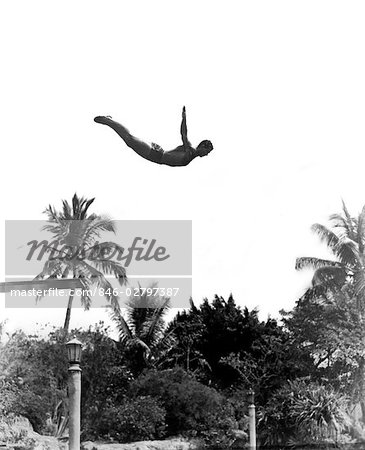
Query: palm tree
(346, 241)
(341, 279)
(78, 233)
(143, 332)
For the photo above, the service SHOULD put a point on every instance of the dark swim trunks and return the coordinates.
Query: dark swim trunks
(156, 153)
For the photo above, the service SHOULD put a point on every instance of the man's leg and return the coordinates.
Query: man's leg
(140, 147)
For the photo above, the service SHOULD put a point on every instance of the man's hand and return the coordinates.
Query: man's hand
(184, 129)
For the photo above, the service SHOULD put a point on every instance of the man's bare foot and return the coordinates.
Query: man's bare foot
(105, 120)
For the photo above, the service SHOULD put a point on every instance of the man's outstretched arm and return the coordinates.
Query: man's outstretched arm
(184, 130)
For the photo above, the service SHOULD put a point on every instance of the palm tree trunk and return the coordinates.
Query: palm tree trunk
(68, 312)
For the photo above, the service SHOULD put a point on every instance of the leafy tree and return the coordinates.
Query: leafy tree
(228, 329)
(333, 331)
(229, 346)
(143, 333)
(223, 328)
(81, 255)
(188, 329)
(273, 358)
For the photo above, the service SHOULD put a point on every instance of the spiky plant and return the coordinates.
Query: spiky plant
(302, 413)
(143, 331)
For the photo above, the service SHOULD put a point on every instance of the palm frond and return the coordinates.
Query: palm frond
(313, 293)
(104, 284)
(314, 263)
(342, 247)
(98, 225)
(84, 270)
(359, 285)
(51, 269)
(156, 324)
(346, 212)
(103, 250)
(347, 252)
(52, 214)
(124, 331)
(333, 278)
(326, 235)
(165, 343)
(66, 208)
(110, 267)
(361, 231)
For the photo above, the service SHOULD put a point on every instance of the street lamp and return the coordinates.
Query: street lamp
(251, 397)
(74, 392)
(74, 351)
(252, 419)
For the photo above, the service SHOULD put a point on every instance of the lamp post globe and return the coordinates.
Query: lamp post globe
(251, 397)
(74, 351)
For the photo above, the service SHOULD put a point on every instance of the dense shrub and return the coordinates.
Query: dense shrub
(34, 375)
(34, 372)
(11, 433)
(17, 399)
(304, 412)
(135, 419)
(9, 393)
(190, 406)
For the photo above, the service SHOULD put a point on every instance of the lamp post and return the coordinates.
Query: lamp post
(252, 419)
(74, 392)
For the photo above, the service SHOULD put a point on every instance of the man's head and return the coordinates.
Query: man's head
(204, 148)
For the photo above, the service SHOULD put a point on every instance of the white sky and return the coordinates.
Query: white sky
(278, 87)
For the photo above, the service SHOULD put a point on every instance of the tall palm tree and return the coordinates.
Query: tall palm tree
(346, 240)
(143, 332)
(78, 233)
(341, 279)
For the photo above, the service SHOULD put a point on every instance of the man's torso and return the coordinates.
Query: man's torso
(180, 156)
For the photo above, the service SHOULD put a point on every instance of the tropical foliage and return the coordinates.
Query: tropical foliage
(346, 241)
(191, 376)
(81, 255)
(142, 332)
(329, 319)
(304, 413)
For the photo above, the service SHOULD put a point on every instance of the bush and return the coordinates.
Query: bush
(17, 399)
(191, 408)
(304, 413)
(135, 419)
(34, 376)
(8, 397)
